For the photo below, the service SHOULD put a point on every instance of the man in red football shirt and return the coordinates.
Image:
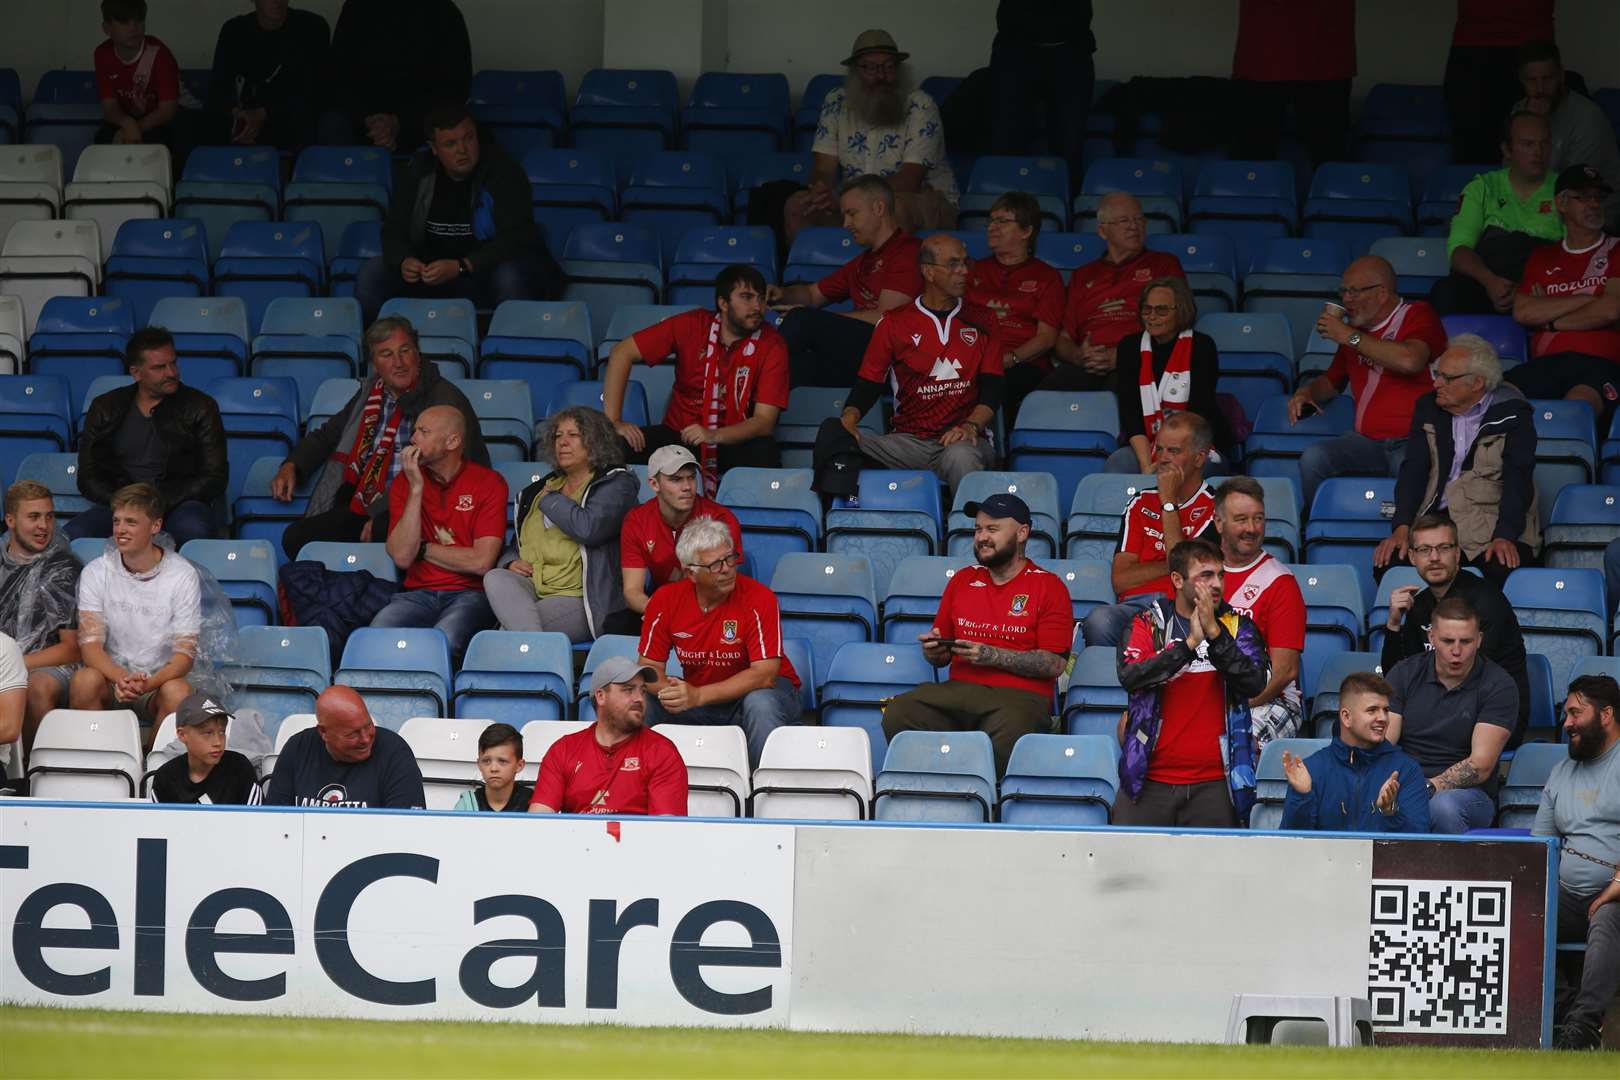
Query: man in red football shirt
(137, 77)
(1104, 296)
(1566, 304)
(1005, 627)
(1263, 588)
(1385, 347)
(947, 376)
(1155, 521)
(731, 379)
(726, 631)
(618, 765)
(648, 536)
(826, 347)
(449, 520)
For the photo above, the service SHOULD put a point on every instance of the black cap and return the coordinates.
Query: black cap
(1580, 178)
(1000, 505)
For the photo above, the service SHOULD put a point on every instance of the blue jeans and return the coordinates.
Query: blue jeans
(1106, 625)
(758, 713)
(457, 613)
(1456, 810)
(1611, 573)
(1350, 454)
(190, 520)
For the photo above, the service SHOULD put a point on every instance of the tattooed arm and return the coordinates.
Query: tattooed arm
(1480, 763)
(1034, 664)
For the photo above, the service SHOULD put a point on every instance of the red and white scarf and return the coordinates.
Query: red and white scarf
(1388, 330)
(1170, 391)
(366, 469)
(717, 411)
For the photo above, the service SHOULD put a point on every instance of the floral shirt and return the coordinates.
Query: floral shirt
(919, 140)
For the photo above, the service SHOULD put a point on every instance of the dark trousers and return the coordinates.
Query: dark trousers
(1481, 86)
(1055, 79)
(824, 347)
(1004, 714)
(1459, 294)
(1555, 376)
(1583, 999)
(760, 453)
(1181, 806)
(1321, 113)
(530, 275)
(624, 621)
(339, 524)
(186, 521)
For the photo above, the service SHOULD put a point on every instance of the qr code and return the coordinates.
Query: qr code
(1438, 956)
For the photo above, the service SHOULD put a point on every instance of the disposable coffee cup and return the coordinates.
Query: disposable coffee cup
(1334, 310)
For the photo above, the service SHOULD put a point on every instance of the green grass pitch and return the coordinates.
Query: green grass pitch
(83, 1043)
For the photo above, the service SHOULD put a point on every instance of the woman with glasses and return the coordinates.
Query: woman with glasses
(1016, 296)
(563, 573)
(1166, 368)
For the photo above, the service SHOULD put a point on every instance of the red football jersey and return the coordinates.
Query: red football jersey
(933, 367)
(1562, 272)
(647, 543)
(1268, 593)
(1103, 298)
(891, 265)
(1384, 398)
(751, 371)
(1192, 708)
(1011, 300)
(1031, 611)
(142, 84)
(472, 505)
(1287, 41)
(712, 646)
(644, 774)
(1141, 532)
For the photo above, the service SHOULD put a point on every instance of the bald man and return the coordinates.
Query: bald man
(947, 376)
(346, 760)
(449, 521)
(1385, 347)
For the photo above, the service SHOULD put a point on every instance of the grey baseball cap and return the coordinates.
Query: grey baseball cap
(619, 669)
(199, 709)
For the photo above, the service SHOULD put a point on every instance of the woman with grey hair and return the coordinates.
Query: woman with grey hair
(563, 574)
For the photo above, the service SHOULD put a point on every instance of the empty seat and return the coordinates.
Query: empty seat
(807, 407)
(1335, 613)
(398, 670)
(613, 264)
(1358, 203)
(331, 398)
(335, 186)
(222, 185)
(1094, 700)
(42, 259)
(568, 188)
(261, 261)
(716, 757)
(777, 511)
(35, 415)
(277, 672)
(1066, 252)
(936, 776)
(810, 772)
(260, 415)
(360, 243)
(913, 594)
(80, 337)
(447, 754)
(524, 110)
(536, 340)
(30, 184)
(115, 184)
(1566, 447)
(155, 258)
(514, 676)
(735, 115)
(86, 756)
(862, 678)
(1249, 202)
(309, 340)
(675, 191)
(447, 330)
(1257, 346)
(291, 726)
(1349, 517)
(1564, 615)
(757, 169)
(1066, 433)
(1060, 780)
(1440, 194)
(1419, 262)
(1294, 278)
(896, 513)
(828, 599)
(817, 252)
(1520, 796)
(13, 337)
(505, 414)
(703, 252)
(246, 570)
(621, 111)
(1585, 518)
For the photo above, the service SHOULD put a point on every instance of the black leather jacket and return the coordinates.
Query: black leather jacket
(188, 423)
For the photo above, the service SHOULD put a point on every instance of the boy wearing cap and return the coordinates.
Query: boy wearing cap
(1565, 304)
(649, 533)
(1005, 627)
(618, 765)
(207, 772)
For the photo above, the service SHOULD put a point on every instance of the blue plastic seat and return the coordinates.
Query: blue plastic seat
(936, 776)
(604, 647)
(261, 261)
(1094, 700)
(210, 335)
(1249, 202)
(621, 111)
(154, 258)
(1520, 796)
(260, 415)
(589, 393)
(736, 115)
(524, 110)
(1349, 517)
(1566, 446)
(1358, 203)
(674, 191)
(1066, 433)
(1505, 335)
(1060, 780)
(1440, 193)
(808, 116)
(277, 671)
(1585, 518)
(309, 340)
(1089, 582)
(570, 187)
(78, 338)
(817, 252)
(1210, 262)
(895, 514)
(401, 672)
(1294, 278)
(1274, 447)
(702, 253)
(223, 185)
(256, 514)
(807, 407)
(826, 599)
(631, 318)
(58, 472)
(1037, 489)
(1066, 252)
(334, 186)
(994, 175)
(373, 558)
(912, 597)
(862, 678)
(1271, 783)
(611, 265)
(1157, 183)
(758, 169)
(514, 677)
(1257, 348)
(1335, 614)
(246, 569)
(777, 510)
(1091, 531)
(1419, 262)
(1323, 705)
(541, 342)
(35, 416)
(505, 412)
(1405, 124)
(360, 242)
(331, 397)
(1564, 615)
(447, 330)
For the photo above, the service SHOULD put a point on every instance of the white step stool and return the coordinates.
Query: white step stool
(1255, 1016)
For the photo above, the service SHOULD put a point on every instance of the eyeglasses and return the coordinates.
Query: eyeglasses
(1158, 310)
(1138, 220)
(951, 264)
(1350, 292)
(1442, 377)
(1003, 220)
(884, 67)
(719, 564)
(1424, 551)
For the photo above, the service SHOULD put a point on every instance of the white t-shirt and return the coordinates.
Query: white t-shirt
(143, 613)
(918, 140)
(13, 676)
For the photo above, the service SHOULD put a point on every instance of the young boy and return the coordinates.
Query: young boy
(137, 77)
(208, 773)
(500, 759)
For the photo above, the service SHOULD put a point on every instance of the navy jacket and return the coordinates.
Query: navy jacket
(1345, 781)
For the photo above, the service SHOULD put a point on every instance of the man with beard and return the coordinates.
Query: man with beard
(731, 380)
(1385, 346)
(39, 580)
(1579, 128)
(1260, 586)
(1004, 626)
(1437, 556)
(874, 124)
(618, 765)
(1581, 806)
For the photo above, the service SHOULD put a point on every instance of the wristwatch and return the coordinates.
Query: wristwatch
(1354, 340)
(1432, 789)
(466, 267)
(421, 552)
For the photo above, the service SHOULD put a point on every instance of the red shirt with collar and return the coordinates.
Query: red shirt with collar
(891, 265)
(1268, 593)
(647, 543)
(1141, 532)
(1562, 272)
(755, 368)
(644, 774)
(712, 646)
(471, 506)
(1104, 297)
(117, 80)
(1384, 398)
(1011, 300)
(933, 365)
(1031, 611)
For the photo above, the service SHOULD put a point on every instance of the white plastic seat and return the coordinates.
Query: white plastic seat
(814, 772)
(447, 753)
(30, 184)
(716, 767)
(86, 755)
(115, 184)
(538, 735)
(291, 726)
(159, 755)
(42, 259)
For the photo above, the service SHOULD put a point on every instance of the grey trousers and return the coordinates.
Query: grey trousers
(512, 597)
(900, 451)
(1600, 971)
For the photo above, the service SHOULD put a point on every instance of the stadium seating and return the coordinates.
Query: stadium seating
(30, 185)
(152, 259)
(115, 184)
(291, 726)
(1046, 178)
(1094, 700)
(1519, 797)
(807, 407)
(309, 340)
(1037, 489)
(335, 186)
(1335, 613)
(505, 412)
(1505, 335)
(913, 594)
(817, 252)
(35, 416)
(361, 242)
(261, 261)
(1249, 202)
(1564, 615)
(1294, 278)
(895, 514)
(861, 678)
(538, 341)
(279, 671)
(717, 775)
(674, 191)
(936, 776)
(42, 259)
(1066, 433)
(222, 185)
(1405, 124)
(334, 555)
(538, 735)
(447, 753)
(1157, 184)
(524, 110)
(331, 397)
(1210, 263)
(246, 570)
(827, 599)
(1358, 203)
(79, 338)
(814, 773)
(1349, 517)
(1271, 784)
(1566, 447)
(210, 335)
(1419, 262)
(1584, 519)
(777, 510)
(1323, 717)
(513, 676)
(1440, 193)
(260, 415)
(610, 265)
(13, 337)
(86, 756)
(1060, 780)
(703, 252)
(59, 473)
(1257, 346)
(397, 671)
(623, 112)
(733, 115)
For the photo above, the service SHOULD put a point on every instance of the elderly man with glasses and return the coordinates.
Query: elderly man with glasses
(1385, 347)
